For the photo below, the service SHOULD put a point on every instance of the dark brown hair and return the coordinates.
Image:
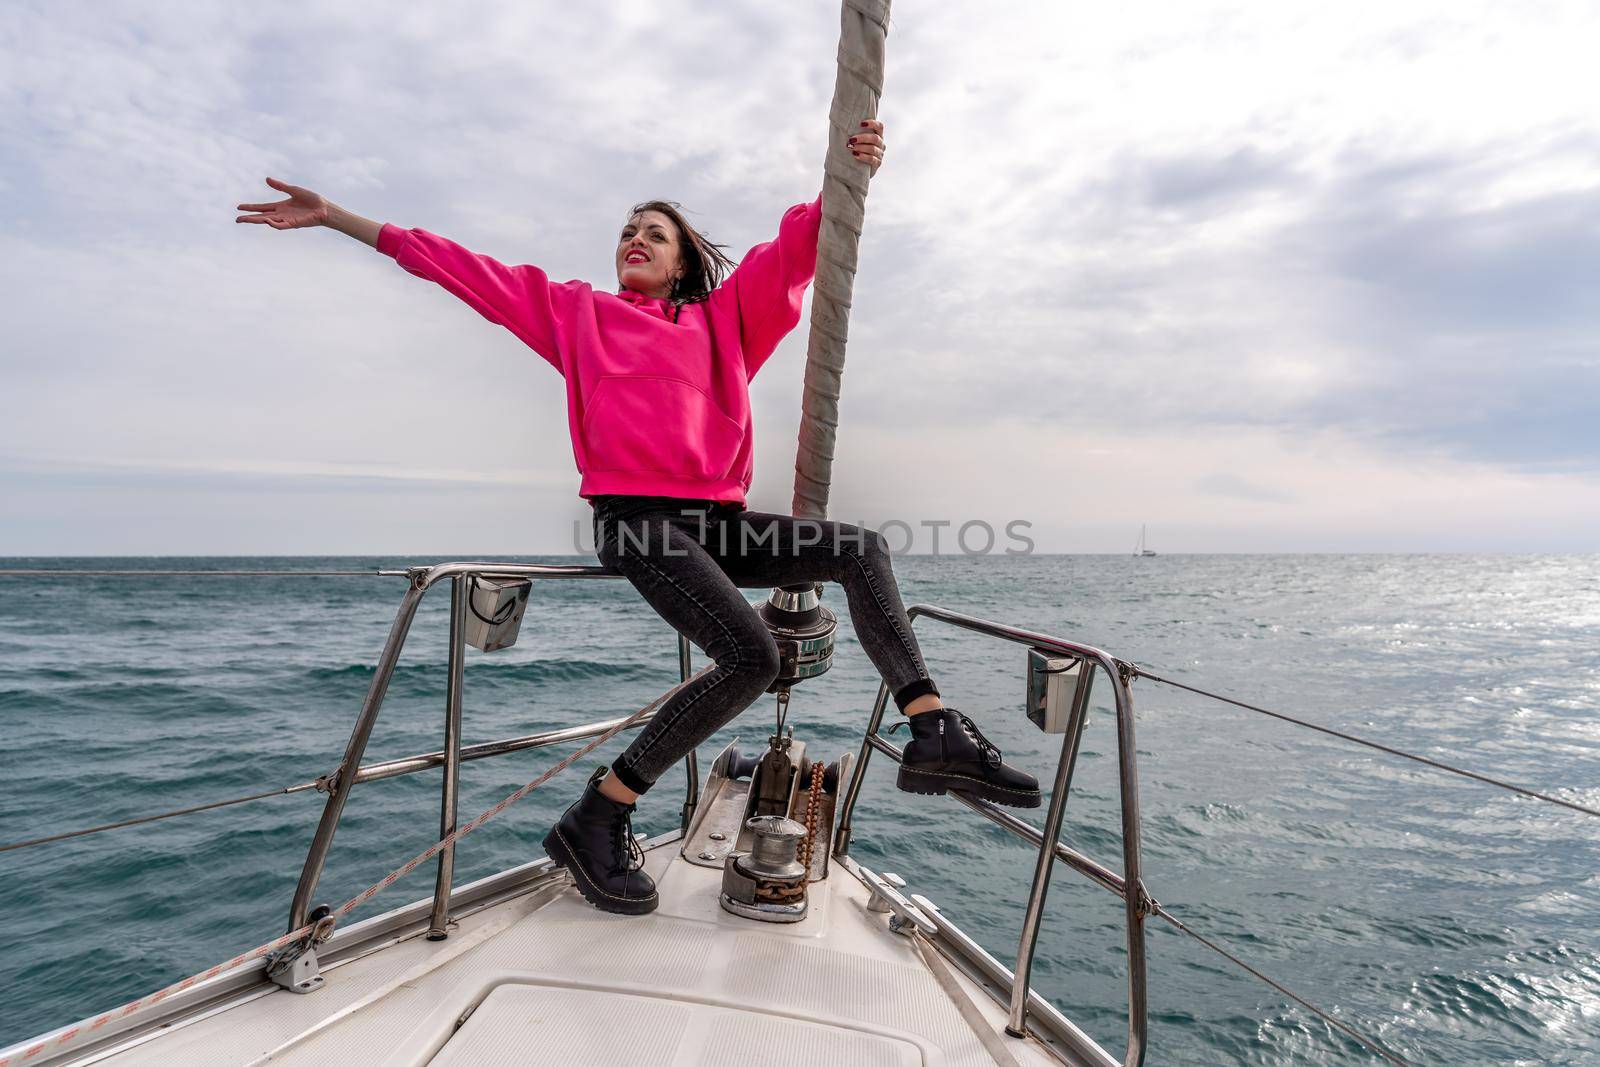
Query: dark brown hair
(704, 263)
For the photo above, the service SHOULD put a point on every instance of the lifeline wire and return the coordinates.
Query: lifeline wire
(285, 791)
(1161, 910)
(471, 752)
(1474, 775)
(65, 1037)
(46, 573)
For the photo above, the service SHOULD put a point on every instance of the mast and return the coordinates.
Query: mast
(858, 84)
(794, 613)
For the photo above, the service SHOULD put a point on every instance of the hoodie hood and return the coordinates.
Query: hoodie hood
(650, 304)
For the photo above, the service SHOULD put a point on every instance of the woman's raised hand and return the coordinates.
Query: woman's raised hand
(303, 208)
(867, 146)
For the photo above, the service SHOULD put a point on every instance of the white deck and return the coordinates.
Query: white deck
(548, 979)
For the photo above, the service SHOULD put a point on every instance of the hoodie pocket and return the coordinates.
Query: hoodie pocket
(639, 423)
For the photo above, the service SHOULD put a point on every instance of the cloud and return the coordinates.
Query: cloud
(242, 475)
(1228, 484)
(1215, 225)
(1207, 182)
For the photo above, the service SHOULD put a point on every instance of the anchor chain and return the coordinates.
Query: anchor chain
(813, 813)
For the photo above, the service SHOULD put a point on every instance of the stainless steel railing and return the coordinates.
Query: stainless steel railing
(350, 771)
(1129, 885)
(1024, 1004)
(420, 579)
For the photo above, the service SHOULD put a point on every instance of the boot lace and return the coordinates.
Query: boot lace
(990, 754)
(624, 846)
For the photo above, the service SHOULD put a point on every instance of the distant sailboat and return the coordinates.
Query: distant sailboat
(1139, 549)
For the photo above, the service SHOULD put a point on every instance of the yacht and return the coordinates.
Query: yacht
(773, 944)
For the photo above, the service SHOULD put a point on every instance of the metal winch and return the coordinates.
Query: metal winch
(803, 629)
(768, 883)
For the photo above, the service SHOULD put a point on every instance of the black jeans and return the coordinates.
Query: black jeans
(689, 558)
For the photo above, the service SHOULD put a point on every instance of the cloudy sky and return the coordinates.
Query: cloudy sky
(1272, 276)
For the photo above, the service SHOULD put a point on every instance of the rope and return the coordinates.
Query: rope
(56, 1042)
(1424, 760)
(500, 920)
(991, 1041)
(858, 84)
(1369, 1043)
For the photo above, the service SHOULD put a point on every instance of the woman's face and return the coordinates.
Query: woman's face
(648, 257)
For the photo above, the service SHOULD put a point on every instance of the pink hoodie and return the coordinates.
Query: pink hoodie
(655, 407)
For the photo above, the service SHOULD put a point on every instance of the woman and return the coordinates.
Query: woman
(657, 379)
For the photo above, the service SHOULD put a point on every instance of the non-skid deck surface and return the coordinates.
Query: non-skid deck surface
(548, 979)
(561, 1024)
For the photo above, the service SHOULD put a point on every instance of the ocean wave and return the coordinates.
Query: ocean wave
(1438, 914)
(532, 672)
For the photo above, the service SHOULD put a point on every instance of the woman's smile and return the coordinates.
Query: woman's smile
(648, 257)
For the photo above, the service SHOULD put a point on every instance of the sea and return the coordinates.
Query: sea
(1453, 922)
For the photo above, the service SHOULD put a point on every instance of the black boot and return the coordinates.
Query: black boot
(594, 840)
(947, 752)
